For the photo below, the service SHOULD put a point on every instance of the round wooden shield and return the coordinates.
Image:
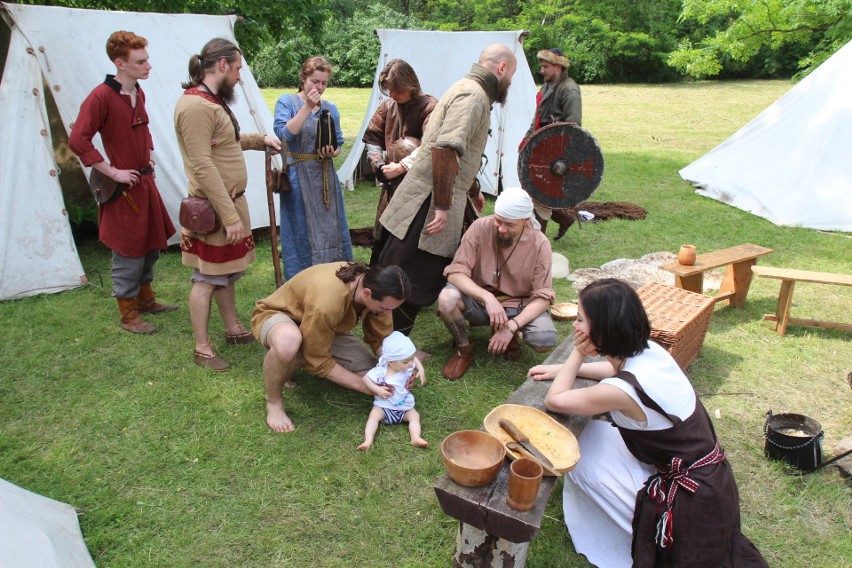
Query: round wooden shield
(560, 165)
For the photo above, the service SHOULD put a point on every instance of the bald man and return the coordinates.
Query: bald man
(426, 214)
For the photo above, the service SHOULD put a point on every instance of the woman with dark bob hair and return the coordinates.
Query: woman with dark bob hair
(656, 490)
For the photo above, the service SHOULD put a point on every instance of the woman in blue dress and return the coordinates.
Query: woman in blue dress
(313, 221)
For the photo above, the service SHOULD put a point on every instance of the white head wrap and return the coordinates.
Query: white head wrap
(515, 203)
(396, 347)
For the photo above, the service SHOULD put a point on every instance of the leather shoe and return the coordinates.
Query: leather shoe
(458, 364)
(212, 362)
(513, 350)
(241, 337)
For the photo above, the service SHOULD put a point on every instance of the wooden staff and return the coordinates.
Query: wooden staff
(273, 227)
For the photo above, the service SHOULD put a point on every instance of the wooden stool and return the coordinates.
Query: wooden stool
(679, 319)
(788, 278)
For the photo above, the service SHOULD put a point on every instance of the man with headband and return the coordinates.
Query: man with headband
(559, 100)
(500, 277)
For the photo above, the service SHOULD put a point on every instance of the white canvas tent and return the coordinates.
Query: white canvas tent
(442, 58)
(791, 164)
(64, 49)
(38, 531)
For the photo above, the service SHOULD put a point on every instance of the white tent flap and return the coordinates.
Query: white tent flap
(38, 531)
(790, 164)
(37, 252)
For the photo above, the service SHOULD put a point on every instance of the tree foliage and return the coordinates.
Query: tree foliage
(606, 40)
(348, 43)
(261, 22)
(740, 30)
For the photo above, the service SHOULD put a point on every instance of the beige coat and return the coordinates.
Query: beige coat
(460, 121)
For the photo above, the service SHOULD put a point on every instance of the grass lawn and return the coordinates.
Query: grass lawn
(174, 466)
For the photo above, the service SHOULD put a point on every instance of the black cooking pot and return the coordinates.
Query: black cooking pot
(795, 439)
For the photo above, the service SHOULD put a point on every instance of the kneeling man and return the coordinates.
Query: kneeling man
(308, 323)
(500, 276)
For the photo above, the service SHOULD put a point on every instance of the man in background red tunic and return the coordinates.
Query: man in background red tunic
(135, 225)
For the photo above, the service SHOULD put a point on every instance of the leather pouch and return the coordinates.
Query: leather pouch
(198, 215)
(104, 189)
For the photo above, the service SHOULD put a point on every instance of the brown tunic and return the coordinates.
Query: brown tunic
(525, 272)
(393, 121)
(321, 304)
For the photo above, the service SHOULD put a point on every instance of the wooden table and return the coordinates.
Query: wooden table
(490, 532)
(737, 279)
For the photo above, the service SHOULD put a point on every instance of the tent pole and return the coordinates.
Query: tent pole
(273, 228)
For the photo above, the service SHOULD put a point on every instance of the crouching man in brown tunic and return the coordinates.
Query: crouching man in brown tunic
(308, 323)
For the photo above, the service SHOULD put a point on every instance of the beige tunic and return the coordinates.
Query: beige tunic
(460, 121)
(215, 167)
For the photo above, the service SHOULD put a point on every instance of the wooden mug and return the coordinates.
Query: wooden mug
(686, 255)
(524, 481)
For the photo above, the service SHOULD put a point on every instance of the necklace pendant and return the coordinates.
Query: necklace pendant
(496, 278)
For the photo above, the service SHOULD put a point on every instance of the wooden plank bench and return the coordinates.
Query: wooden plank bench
(490, 532)
(788, 278)
(737, 279)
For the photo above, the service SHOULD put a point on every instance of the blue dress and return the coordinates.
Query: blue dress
(312, 232)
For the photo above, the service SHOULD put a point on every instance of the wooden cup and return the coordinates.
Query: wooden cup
(686, 255)
(524, 481)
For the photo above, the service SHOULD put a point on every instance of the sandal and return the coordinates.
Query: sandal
(212, 362)
(242, 337)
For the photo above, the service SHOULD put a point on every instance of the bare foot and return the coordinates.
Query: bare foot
(289, 385)
(365, 446)
(420, 442)
(277, 419)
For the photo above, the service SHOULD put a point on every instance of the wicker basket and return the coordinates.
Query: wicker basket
(679, 319)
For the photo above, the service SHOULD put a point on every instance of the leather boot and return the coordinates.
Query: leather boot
(565, 220)
(146, 304)
(457, 365)
(130, 320)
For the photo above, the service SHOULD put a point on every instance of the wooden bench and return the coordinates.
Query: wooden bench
(734, 288)
(490, 532)
(788, 278)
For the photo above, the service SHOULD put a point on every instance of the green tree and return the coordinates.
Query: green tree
(348, 43)
(261, 23)
(740, 30)
(606, 40)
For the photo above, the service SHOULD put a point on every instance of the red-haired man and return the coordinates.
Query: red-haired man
(135, 225)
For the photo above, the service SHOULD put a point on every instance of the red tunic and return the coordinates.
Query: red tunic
(128, 144)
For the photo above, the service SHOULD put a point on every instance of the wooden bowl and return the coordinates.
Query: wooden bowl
(564, 311)
(472, 458)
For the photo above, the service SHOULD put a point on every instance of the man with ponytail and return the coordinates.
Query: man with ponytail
(308, 323)
(212, 148)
